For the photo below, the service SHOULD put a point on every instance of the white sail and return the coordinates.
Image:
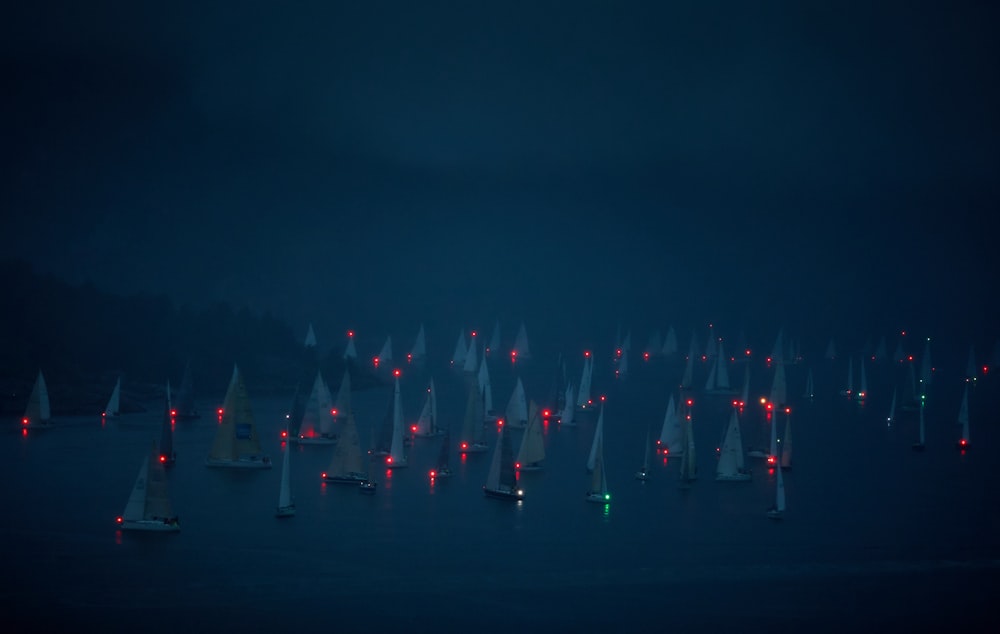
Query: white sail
(148, 506)
(385, 354)
(532, 450)
(317, 417)
(963, 415)
(458, 356)
(622, 370)
(135, 508)
(516, 414)
(427, 422)
(722, 369)
(350, 352)
(710, 381)
(521, 349)
(285, 491)
(396, 456)
(114, 403)
(598, 434)
(569, 408)
(731, 464)
(38, 411)
(583, 393)
(779, 386)
(419, 349)
(598, 476)
(671, 433)
(310, 341)
(772, 452)
(471, 358)
(670, 342)
(342, 406)
(745, 393)
(786, 443)
(688, 377)
(778, 350)
(485, 387)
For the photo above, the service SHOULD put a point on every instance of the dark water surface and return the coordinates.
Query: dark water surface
(875, 535)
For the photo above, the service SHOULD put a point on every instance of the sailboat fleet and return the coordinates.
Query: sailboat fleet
(326, 420)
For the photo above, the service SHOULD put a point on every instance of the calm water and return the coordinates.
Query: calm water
(874, 533)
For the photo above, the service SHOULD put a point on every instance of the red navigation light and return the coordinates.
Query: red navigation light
(473, 333)
(499, 422)
(25, 421)
(388, 459)
(603, 398)
(413, 428)
(517, 465)
(768, 360)
(119, 519)
(433, 474)
(396, 372)
(747, 352)
(735, 403)
(284, 433)
(464, 446)
(618, 352)
(704, 357)
(586, 353)
(409, 357)
(690, 402)
(173, 412)
(909, 357)
(219, 411)
(788, 410)
(513, 355)
(546, 413)
(771, 460)
(333, 411)
(323, 475)
(770, 406)
(986, 369)
(163, 458)
(375, 361)
(963, 442)
(350, 333)
(645, 356)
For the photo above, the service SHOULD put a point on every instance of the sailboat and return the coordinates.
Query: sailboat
(671, 441)
(113, 407)
(892, 410)
(167, 454)
(347, 462)
(532, 451)
(595, 446)
(38, 413)
(316, 426)
(458, 356)
(443, 469)
(148, 507)
(397, 457)
(786, 443)
(689, 468)
(184, 407)
(471, 364)
(419, 349)
(471, 440)
(963, 420)
(427, 424)
(863, 392)
(501, 482)
(849, 390)
(310, 341)
(385, 354)
(494, 343)
(569, 408)
(486, 388)
(342, 405)
(779, 386)
(286, 505)
(350, 350)
(236, 441)
(643, 473)
(516, 414)
(670, 342)
(520, 349)
(731, 467)
(777, 511)
(368, 486)
(598, 491)
(583, 400)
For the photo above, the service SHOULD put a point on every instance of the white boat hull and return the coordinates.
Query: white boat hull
(256, 462)
(598, 498)
(476, 448)
(285, 511)
(157, 526)
(736, 477)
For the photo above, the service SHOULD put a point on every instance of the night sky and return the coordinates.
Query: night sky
(374, 165)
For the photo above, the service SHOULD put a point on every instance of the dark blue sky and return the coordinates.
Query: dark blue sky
(378, 164)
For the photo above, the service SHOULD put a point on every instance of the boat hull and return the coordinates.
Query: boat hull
(736, 477)
(315, 440)
(350, 478)
(503, 494)
(154, 526)
(285, 511)
(476, 448)
(240, 463)
(367, 488)
(775, 514)
(598, 498)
